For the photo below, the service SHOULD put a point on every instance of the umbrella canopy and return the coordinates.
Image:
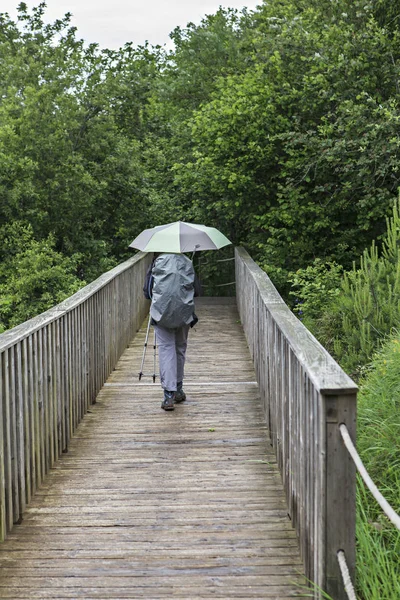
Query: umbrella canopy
(179, 237)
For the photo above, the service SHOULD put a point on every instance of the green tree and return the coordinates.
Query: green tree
(33, 275)
(291, 149)
(72, 120)
(357, 320)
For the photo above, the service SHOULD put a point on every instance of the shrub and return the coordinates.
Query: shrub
(314, 288)
(378, 432)
(353, 322)
(33, 276)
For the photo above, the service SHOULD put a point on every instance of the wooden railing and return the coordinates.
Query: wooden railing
(306, 397)
(52, 368)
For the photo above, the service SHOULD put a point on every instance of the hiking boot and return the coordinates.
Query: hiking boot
(180, 395)
(168, 402)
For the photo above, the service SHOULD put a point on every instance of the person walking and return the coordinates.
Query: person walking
(171, 285)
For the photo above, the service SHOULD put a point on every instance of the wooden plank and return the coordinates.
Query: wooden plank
(85, 350)
(73, 374)
(12, 383)
(20, 428)
(31, 411)
(149, 504)
(340, 497)
(45, 399)
(52, 387)
(64, 427)
(3, 505)
(7, 440)
(27, 445)
(42, 386)
(70, 380)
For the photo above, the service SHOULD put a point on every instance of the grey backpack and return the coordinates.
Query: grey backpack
(173, 291)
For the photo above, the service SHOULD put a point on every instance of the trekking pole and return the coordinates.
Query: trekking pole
(145, 348)
(155, 352)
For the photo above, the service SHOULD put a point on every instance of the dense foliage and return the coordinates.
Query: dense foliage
(278, 126)
(294, 151)
(378, 541)
(351, 313)
(356, 315)
(72, 186)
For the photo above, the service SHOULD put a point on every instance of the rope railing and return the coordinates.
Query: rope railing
(214, 286)
(348, 585)
(205, 263)
(210, 285)
(219, 260)
(381, 500)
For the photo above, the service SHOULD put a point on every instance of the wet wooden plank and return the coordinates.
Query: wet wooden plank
(149, 504)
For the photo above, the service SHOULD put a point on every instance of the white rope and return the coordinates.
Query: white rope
(224, 284)
(348, 586)
(383, 503)
(208, 285)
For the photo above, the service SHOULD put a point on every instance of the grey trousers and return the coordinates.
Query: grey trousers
(172, 345)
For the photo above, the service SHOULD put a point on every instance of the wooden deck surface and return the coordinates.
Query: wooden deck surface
(154, 504)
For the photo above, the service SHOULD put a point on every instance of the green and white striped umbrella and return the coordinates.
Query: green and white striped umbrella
(179, 237)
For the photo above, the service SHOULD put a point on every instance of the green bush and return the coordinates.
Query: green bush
(378, 432)
(314, 288)
(33, 275)
(356, 320)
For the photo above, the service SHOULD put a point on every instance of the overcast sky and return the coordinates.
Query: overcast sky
(111, 23)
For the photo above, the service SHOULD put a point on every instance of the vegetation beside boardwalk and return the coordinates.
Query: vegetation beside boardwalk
(355, 315)
(278, 126)
(378, 541)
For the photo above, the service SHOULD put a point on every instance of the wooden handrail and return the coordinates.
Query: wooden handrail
(305, 397)
(51, 369)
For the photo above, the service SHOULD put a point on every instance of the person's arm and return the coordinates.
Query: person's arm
(148, 283)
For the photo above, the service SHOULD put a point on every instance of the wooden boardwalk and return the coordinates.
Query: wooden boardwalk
(151, 504)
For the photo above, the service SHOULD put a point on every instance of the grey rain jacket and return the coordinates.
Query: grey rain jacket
(173, 291)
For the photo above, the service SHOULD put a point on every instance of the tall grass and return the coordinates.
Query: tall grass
(378, 548)
(378, 442)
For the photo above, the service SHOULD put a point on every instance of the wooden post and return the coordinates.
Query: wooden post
(3, 506)
(7, 468)
(340, 500)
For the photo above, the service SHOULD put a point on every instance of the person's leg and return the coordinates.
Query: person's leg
(181, 345)
(168, 364)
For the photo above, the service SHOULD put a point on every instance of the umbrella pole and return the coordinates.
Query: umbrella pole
(145, 348)
(194, 251)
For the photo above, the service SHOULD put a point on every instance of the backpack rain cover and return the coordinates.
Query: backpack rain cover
(173, 291)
